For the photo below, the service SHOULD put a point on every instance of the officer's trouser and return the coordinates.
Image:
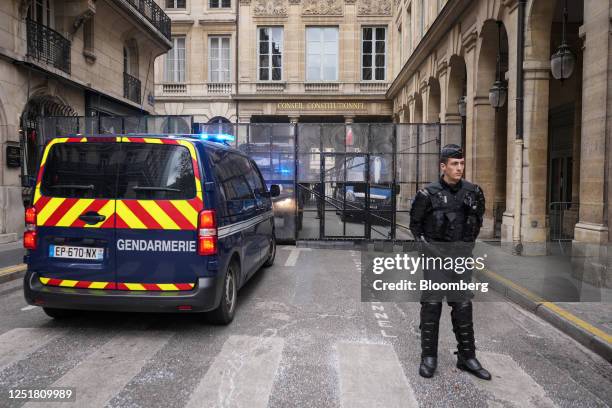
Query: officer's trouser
(463, 327)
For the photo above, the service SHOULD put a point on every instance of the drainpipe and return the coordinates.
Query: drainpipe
(518, 142)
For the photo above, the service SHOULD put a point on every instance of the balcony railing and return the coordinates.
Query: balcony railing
(220, 87)
(48, 46)
(174, 88)
(321, 87)
(195, 89)
(152, 12)
(131, 88)
(298, 87)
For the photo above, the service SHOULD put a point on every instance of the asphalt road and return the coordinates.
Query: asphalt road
(301, 338)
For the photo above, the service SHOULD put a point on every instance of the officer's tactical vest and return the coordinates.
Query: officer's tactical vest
(454, 216)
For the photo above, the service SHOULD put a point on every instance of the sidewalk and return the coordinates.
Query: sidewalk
(546, 286)
(11, 261)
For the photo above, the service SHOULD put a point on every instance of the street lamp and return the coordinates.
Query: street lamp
(562, 62)
(499, 90)
(462, 105)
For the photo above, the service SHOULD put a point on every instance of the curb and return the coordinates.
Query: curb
(591, 337)
(12, 272)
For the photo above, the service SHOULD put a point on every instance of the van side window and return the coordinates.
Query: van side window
(254, 179)
(231, 172)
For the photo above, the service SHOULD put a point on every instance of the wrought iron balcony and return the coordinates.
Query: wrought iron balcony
(48, 46)
(152, 12)
(131, 88)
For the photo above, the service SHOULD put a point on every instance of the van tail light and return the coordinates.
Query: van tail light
(30, 215)
(207, 233)
(30, 239)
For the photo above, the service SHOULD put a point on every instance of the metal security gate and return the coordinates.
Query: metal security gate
(338, 181)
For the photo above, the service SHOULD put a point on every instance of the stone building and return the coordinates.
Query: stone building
(543, 158)
(69, 57)
(278, 61)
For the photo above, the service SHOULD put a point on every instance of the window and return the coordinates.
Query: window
(231, 170)
(175, 61)
(176, 4)
(155, 172)
(322, 54)
(217, 125)
(219, 59)
(270, 49)
(41, 11)
(421, 17)
(88, 35)
(409, 31)
(373, 53)
(81, 170)
(255, 182)
(400, 37)
(219, 4)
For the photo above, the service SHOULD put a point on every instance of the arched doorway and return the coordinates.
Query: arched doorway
(31, 122)
(456, 96)
(490, 145)
(433, 101)
(564, 128)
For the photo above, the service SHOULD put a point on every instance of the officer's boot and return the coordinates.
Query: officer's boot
(463, 326)
(430, 321)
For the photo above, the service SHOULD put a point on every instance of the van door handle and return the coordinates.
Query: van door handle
(92, 218)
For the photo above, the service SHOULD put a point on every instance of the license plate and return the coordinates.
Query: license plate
(61, 251)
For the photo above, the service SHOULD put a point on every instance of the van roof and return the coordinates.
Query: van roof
(188, 137)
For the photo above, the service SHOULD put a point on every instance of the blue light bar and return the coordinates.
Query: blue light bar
(217, 137)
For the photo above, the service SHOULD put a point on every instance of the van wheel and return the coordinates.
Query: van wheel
(224, 313)
(271, 252)
(58, 313)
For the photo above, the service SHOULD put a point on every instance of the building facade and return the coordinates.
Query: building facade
(278, 61)
(64, 58)
(543, 157)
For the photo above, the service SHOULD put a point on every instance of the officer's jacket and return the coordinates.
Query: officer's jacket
(447, 214)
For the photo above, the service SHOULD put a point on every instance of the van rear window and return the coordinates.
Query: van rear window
(81, 170)
(156, 172)
(119, 170)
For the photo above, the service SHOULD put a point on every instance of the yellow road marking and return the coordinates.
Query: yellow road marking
(11, 269)
(552, 307)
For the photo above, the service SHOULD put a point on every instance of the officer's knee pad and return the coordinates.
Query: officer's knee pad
(431, 310)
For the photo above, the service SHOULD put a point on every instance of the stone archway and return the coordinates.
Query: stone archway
(39, 106)
(457, 87)
(433, 101)
(490, 127)
(417, 116)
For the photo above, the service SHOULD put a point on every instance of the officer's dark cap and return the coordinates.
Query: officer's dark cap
(451, 151)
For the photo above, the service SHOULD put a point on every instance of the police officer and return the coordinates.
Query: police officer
(446, 217)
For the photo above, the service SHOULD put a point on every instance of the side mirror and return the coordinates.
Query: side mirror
(274, 190)
(397, 189)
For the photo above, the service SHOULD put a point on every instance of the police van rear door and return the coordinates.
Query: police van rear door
(159, 198)
(75, 213)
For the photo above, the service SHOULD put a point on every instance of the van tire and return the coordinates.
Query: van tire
(224, 313)
(58, 313)
(271, 252)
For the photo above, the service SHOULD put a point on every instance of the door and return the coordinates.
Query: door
(345, 191)
(263, 228)
(238, 210)
(75, 206)
(159, 197)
